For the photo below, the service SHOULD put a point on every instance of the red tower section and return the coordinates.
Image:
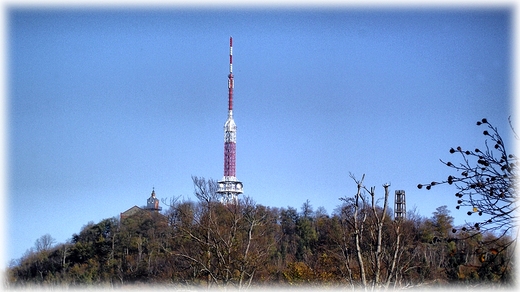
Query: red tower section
(230, 158)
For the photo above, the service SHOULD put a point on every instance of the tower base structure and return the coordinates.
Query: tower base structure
(229, 188)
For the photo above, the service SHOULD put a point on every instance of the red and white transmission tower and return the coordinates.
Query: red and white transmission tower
(229, 187)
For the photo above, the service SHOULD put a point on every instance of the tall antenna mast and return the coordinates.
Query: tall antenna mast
(231, 84)
(229, 187)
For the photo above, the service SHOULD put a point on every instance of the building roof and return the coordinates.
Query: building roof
(131, 211)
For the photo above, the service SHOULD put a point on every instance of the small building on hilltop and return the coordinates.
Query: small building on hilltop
(152, 205)
(130, 212)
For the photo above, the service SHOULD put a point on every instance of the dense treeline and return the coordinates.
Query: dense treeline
(207, 243)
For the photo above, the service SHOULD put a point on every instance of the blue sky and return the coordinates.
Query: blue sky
(104, 105)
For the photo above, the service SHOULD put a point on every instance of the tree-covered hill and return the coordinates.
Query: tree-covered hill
(207, 243)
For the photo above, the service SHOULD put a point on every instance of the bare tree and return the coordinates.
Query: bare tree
(253, 253)
(371, 219)
(195, 222)
(392, 274)
(44, 243)
(485, 180)
(307, 209)
(357, 226)
(206, 193)
(379, 225)
(227, 242)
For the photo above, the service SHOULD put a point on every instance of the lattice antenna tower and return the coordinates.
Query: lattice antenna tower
(230, 187)
(400, 205)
